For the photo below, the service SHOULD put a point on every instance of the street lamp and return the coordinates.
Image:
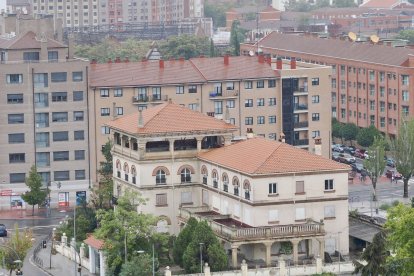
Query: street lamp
(201, 257)
(51, 248)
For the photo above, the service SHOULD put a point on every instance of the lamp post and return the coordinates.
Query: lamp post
(201, 257)
(51, 248)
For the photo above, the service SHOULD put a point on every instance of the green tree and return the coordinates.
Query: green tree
(365, 136)
(350, 132)
(85, 223)
(343, 3)
(212, 49)
(407, 35)
(402, 148)
(400, 238)
(36, 194)
(138, 265)
(336, 128)
(217, 12)
(183, 240)
(375, 256)
(212, 252)
(19, 243)
(187, 46)
(375, 165)
(298, 5)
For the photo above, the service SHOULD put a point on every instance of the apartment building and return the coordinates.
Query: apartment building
(43, 120)
(371, 84)
(268, 98)
(258, 195)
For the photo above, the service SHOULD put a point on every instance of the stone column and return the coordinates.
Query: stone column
(282, 267)
(92, 264)
(64, 239)
(102, 263)
(167, 271)
(206, 270)
(227, 140)
(141, 149)
(268, 259)
(234, 255)
(295, 251)
(199, 139)
(322, 248)
(82, 251)
(318, 265)
(244, 268)
(171, 141)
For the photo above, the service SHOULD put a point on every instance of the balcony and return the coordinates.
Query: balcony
(231, 230)
(304, 124)
(300, 108)
(224, 94)
(149, 99)
(301, 142)
(301, 91)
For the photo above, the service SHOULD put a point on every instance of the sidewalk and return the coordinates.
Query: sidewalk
(19, 214)
(61, 266)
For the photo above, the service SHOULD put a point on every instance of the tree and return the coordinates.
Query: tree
(15, 248)
(217, 12)
(183, 240)
(350, 132)
(298, 5)
(212, 49)
(336, 128)
(402, 148)
(137, 266)
(343, 3)
(36, 194)
(212, 252)
(400, 238)
(407, 35)
(375, 256)
(187, 46)
(375, 165)
(85, 223)
(365, 136)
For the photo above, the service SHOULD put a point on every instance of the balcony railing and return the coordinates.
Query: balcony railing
(301, 124)
(140, 99)
(301, 142)
(235, 233)
(303, 89)
(300, 107)
(153, 98)
(224, 94)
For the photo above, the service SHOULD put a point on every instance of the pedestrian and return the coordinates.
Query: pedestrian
(360, 177)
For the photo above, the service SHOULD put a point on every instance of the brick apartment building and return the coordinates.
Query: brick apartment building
(370, 84)
(247, 91)
(43, 119)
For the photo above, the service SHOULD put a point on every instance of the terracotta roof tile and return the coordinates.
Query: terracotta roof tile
(269, 157)
(94, 242)
(167, 118)
(28, 41)
(381, 4)
(336, 48)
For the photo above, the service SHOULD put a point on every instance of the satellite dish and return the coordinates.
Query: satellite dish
(251, 53)
(352, 36)
(375, 39)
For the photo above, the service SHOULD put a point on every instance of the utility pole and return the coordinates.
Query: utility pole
(74, 235)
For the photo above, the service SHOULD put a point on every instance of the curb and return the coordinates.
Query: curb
(41, 268)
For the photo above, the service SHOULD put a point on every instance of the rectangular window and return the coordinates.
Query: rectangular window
(231, 103)
(42, 159)
(161, 200)
(315, 116)
(104, 93)
(300, 187)
(119, 111)
(42, 120)
(273, 216)
(260, 84)
(77, 76)
(80, 175)
(248, 121)
(59, 117)
(218, 107)
(315, 81)
(333, 83)
(300, 214)
(192, 89)
(193, 106)
(405, 96)
(31, 56)
(58, 77)
(14, 78)
(260, 102)
(405, 79)
(343, 84)
(382, 106)
(16, 158)
(78, 116)
(272, 188)
(79, 155)
(118, 92)
(77, 96)
(79, 135)
(405, 110)
(105, 111)
(315, 99)
(60, 155)
(329, 184)
(329, 212)
(40, 80)
(53, 56)
(248, 84)
(16, 138)
(105, 130)
(59, 136)
(60, 175)
(248, 103)
(316, 133)
(271, 83)
(179, 89)
(272, 101)
(17, 177)
(230, 85)
(382, 91)
(14, 98)
(59, 96)
(15, 118)
(371, 75)
(272, 119)
(186, 198)
(382, 121)
(260, 120)
(41, 100)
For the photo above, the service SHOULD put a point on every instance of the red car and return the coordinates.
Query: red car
(360, 153)
(397, 175)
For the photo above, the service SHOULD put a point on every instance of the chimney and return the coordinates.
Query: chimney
(117, 60)
(109, 60)
(227, 115)
(318, 145)
(249, 133)
(181, 58)
(293, 63)
(71, 46)
(126, 59)
(140, 119)
(143, 59)
(269, 60)
(226, 59)
(261, 58)
(114, 110)
(43, 47)
(93, 61)
(161, 62)
(279, 63)
(282, 138)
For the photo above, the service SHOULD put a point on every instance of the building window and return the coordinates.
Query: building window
(192, 89)
(329, 212)
(405, 110)
(215, 179)
(59, 136)
(236, 185)
(161, 200)
(218, 107)
(405, 79)
(104, 93)
(59, 96)
(225, 180)
(14, 78)
(15, 118)
(273, 216)
(118, 92)
(179, 89)
(382, 91)
(329, 184)
(248, 121)
(78, 115)
(17, 177)
(260, 102)
(260, 84)
(333, 83)
(248, 103)
(59, 117)
(53, 56)
(272, 188)
(160, 177)
(77, 96)
(300, 214)
(80, 175)
(260, 120)
(58, 77)
(186, 198)
(16, 138)
(272, 119)
(61, 175)
(315, 116)
(16, 158)
(382, 121)
(300, 187)
(42, 159)
(233, 121)
(230, 85)
(315, 81)
(105, 130)
(185, 175)
(246, 187)
(316, 133)
(193, 106)
(119, 111)
(79, 155)
(371, 75)
(78, 135)
(14, 98)
(105, 111)
(231, 103)
(405, 95)
(271, 83)
(315, 99)
(40, 80)
(272, 101)
(248, 84)
(60, 155)
(77, 76)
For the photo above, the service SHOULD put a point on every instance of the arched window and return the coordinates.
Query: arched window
(246, 187)
(118, 168)
(204, 173)
(160, 177)
(185, 175)
(225, 179)
(126, 171)
(236, 185)
(134, 174)
(214, 176)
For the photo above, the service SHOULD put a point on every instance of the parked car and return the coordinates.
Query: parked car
(335, 156)
(346, 158)
(338, 148)
(360, 153)
(390, 162)
(350, 150)
(397, 175)
(357, 167)
(3, 230)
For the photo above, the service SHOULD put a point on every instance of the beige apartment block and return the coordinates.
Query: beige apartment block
(257, 94)
(256, 194)
(44, 119)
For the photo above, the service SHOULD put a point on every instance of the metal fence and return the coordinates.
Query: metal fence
(36, 259)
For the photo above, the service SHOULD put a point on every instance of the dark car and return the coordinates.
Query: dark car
(359, 153)
(3, 230)
(357, 167)
(335, 156)
(350, 150)
(346, 158)
(390, 162)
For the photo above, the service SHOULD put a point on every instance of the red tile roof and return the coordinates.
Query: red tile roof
(94, 242)
(265, 157)
(336, 48)
(169, 118)
(381, 4)
(28, 41)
